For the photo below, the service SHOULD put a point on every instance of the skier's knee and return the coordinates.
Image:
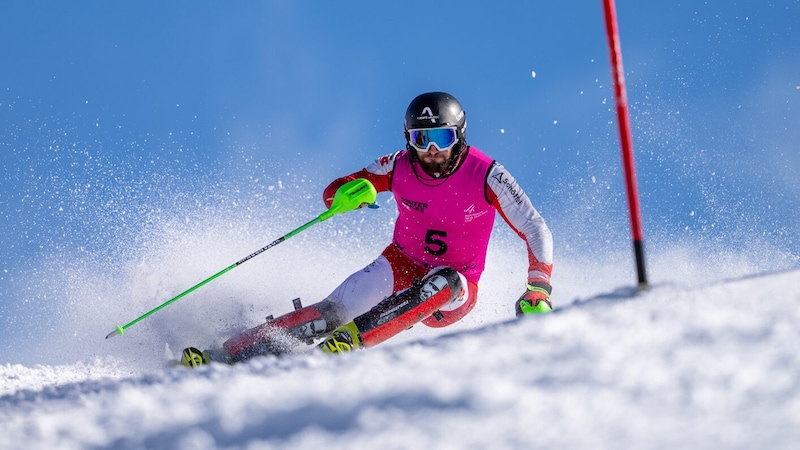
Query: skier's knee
(461, 301)
(437, 279)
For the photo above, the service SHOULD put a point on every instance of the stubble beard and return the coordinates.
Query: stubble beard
(434, 167)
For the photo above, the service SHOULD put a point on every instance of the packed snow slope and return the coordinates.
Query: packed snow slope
(706, 358)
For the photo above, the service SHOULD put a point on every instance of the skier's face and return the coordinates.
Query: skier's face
(434, 161)
(434, 147)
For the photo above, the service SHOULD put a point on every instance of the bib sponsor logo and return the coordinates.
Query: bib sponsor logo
(470, 214)
(416, 206)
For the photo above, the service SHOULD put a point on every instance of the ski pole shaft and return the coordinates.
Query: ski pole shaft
(120, 330)
(348, 197)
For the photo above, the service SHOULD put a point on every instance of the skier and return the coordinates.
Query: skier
(447, 193)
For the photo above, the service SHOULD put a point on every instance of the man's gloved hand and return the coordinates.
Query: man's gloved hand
(327, 198)
(535, 300)
(329, 202)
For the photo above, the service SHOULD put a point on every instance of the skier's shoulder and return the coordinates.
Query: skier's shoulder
(385, 164)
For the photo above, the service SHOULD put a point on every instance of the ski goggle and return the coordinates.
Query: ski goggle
(442, 138)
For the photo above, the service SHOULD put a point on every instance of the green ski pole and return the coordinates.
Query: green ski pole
(350, 196)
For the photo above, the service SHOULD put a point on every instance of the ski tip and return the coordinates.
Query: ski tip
(118, 331)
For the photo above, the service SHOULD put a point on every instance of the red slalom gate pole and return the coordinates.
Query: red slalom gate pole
(626, 142)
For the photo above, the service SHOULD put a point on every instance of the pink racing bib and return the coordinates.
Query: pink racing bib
(444, 222)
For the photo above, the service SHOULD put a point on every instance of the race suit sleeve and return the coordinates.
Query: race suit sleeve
(516, 209)
(379, 173)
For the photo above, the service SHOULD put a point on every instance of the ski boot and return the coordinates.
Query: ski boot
(344, 339)
(192, 357)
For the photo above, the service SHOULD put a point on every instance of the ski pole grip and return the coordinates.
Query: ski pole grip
(350, 196)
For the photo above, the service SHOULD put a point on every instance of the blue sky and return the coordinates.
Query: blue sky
(117, 115)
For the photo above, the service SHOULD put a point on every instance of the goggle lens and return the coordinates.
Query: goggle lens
(442, 138)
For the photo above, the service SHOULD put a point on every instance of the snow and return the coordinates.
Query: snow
(700, 360)
(176, 166)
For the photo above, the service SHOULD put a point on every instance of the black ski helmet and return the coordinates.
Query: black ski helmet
(435, 110)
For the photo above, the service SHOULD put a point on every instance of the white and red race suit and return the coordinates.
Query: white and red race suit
(443, 221)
